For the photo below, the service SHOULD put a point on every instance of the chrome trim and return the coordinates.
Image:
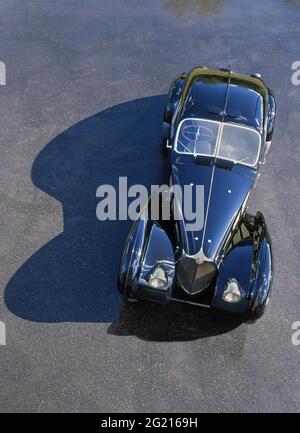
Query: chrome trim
(190, 302)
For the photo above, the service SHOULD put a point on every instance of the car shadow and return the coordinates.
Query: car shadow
(169, 322)
(73, 277)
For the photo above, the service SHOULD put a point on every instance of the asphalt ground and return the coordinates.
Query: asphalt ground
(82, 106)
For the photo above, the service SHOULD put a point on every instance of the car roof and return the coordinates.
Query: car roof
(224, 95)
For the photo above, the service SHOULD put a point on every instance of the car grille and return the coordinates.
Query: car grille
(195, 278)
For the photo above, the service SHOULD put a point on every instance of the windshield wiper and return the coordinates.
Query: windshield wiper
(224, 163)
(204, 160)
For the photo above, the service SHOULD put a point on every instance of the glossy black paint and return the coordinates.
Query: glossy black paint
(250, 262)
(173, 96)
(205, 92)
(271, 115)
(228, 192)
(236, 243)
(147, 245)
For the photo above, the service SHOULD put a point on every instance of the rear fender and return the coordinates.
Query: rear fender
(173, 96)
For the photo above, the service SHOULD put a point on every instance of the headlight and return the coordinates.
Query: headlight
(232, 292)
(158, 277)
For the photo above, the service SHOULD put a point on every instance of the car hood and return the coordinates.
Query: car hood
(225, 191)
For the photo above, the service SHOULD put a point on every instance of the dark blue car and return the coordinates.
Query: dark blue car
(217, 130)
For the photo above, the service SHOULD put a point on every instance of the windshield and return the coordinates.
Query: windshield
(227, 141)
(239, 144)
(198, 137)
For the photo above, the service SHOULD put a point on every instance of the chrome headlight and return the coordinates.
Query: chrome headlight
(158, 277)
(232, 292)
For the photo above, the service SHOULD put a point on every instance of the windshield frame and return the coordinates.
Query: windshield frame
(219, 140)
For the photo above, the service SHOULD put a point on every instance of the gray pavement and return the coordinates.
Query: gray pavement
(82, 106)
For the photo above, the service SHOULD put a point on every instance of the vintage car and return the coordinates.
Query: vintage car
(217, 130)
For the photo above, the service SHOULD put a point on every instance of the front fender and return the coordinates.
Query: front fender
(131, 257)
(250, 263)
(237, 264)
(147, 245)
(262, 284)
